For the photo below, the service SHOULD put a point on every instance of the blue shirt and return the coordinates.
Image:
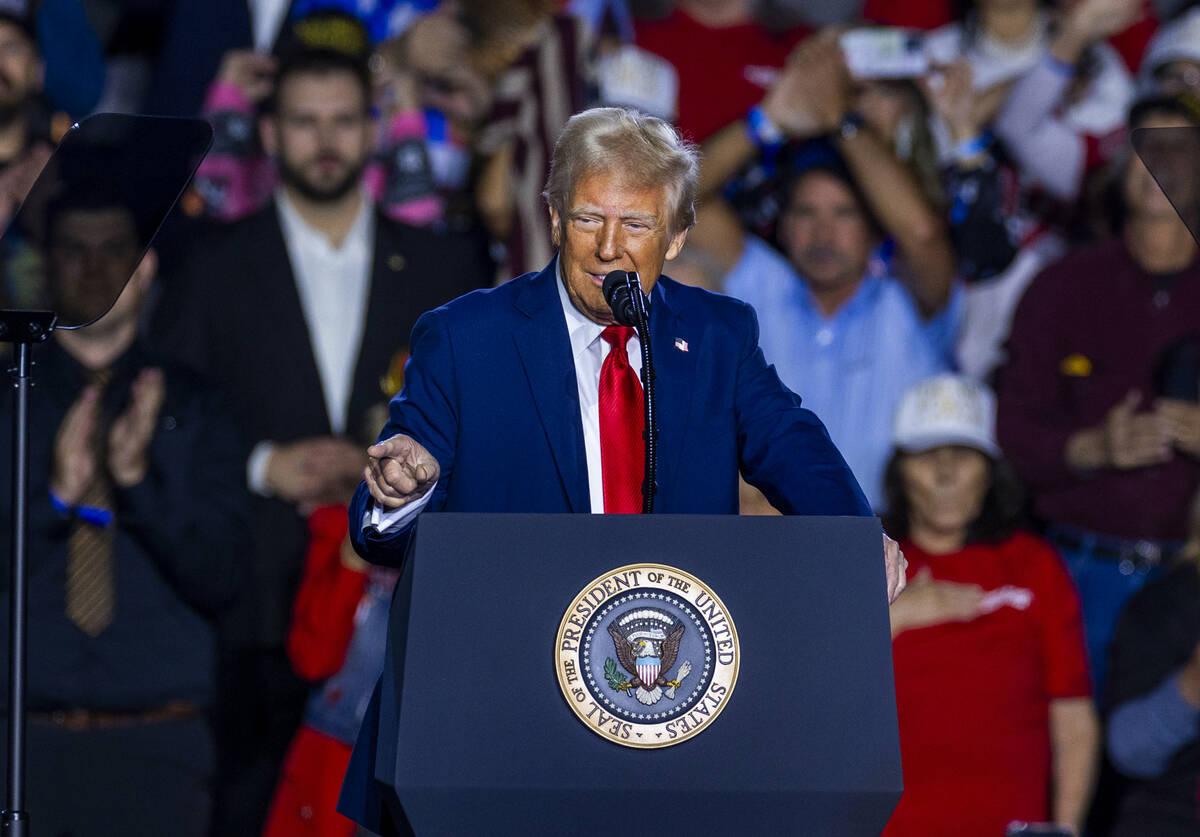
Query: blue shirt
(852, 367)
(1145, 733)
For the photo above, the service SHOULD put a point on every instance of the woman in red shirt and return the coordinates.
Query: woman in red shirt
(996, 720)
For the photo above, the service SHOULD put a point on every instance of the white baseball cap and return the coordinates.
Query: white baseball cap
(946, 410)
(1177, 40)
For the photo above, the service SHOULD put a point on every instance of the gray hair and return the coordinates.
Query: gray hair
(644, 149)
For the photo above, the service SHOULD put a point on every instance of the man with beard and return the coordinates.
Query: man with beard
(300, 311)
(23, 145)
(138, 527)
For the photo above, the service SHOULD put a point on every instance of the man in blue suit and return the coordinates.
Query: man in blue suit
(508, 402)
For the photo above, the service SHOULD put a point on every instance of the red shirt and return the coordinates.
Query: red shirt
(722, 72)
(329, 593)
(1131, 43)
(973, 698)
(927, 15)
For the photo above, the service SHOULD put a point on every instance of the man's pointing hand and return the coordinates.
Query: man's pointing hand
(400, 471)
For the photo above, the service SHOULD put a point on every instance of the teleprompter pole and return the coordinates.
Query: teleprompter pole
(22, 329)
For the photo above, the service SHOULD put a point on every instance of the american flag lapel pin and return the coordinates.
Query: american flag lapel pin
(681, 344)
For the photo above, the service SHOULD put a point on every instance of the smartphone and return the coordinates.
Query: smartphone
(884, 52)
(1037, 829)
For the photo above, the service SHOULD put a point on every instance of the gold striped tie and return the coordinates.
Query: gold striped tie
(91, 588)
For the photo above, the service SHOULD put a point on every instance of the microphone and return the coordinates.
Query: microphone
(619, 287)
(616, 288)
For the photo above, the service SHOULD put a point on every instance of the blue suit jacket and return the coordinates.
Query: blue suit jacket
(490, 391)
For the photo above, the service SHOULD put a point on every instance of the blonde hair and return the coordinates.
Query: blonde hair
(643, 149)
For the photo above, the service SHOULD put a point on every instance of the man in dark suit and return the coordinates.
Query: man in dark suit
(526, 397)
(299, 311)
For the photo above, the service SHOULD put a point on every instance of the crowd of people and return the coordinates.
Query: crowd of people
(957, 258)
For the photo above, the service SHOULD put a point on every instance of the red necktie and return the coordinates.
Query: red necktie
(622, 448)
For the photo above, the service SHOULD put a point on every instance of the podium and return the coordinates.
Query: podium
(475, 735)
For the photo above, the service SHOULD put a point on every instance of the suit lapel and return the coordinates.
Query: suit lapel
(545, 351)
(388, 299)
(281, 297)
(675, 348)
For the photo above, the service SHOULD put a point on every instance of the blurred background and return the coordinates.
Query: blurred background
(957, 260)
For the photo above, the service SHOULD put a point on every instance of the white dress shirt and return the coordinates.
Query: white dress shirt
(333, 284)
(588, 351)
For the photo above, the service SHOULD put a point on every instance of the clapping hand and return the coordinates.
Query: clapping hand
(313, 472)
(74, 453)
(1129, 439)
(810, 95)
(430, 65)
(951, 93)
(1134, 439)
(1096, 19)
(400, 471)
(1088, 21)
(1182, 424)
(251, 72)
(131, 432)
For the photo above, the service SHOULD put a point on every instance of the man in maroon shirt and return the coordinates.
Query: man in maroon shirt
(1111, 463)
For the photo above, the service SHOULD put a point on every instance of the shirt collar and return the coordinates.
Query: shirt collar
(124, 367)
(863, 295)
(583, 332)
(296, 229)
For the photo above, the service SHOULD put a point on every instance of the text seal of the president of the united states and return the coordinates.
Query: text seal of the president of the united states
(647, 655)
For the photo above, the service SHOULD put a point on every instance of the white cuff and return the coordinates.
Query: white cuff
(399, 518)
(256, 468)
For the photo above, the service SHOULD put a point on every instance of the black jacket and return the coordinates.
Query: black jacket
(235, 315)
(181, 544)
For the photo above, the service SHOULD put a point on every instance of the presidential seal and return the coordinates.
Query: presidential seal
(647, 655)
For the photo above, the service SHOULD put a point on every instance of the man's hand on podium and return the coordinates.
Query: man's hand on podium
(400, 471)
(897, 568)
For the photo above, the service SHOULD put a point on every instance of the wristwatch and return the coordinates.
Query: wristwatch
(852, 122)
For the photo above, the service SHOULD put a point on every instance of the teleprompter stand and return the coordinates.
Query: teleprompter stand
(136, 164)
(472, 734)
(22, 329)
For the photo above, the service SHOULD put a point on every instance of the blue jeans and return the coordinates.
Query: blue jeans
(1104, 585)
